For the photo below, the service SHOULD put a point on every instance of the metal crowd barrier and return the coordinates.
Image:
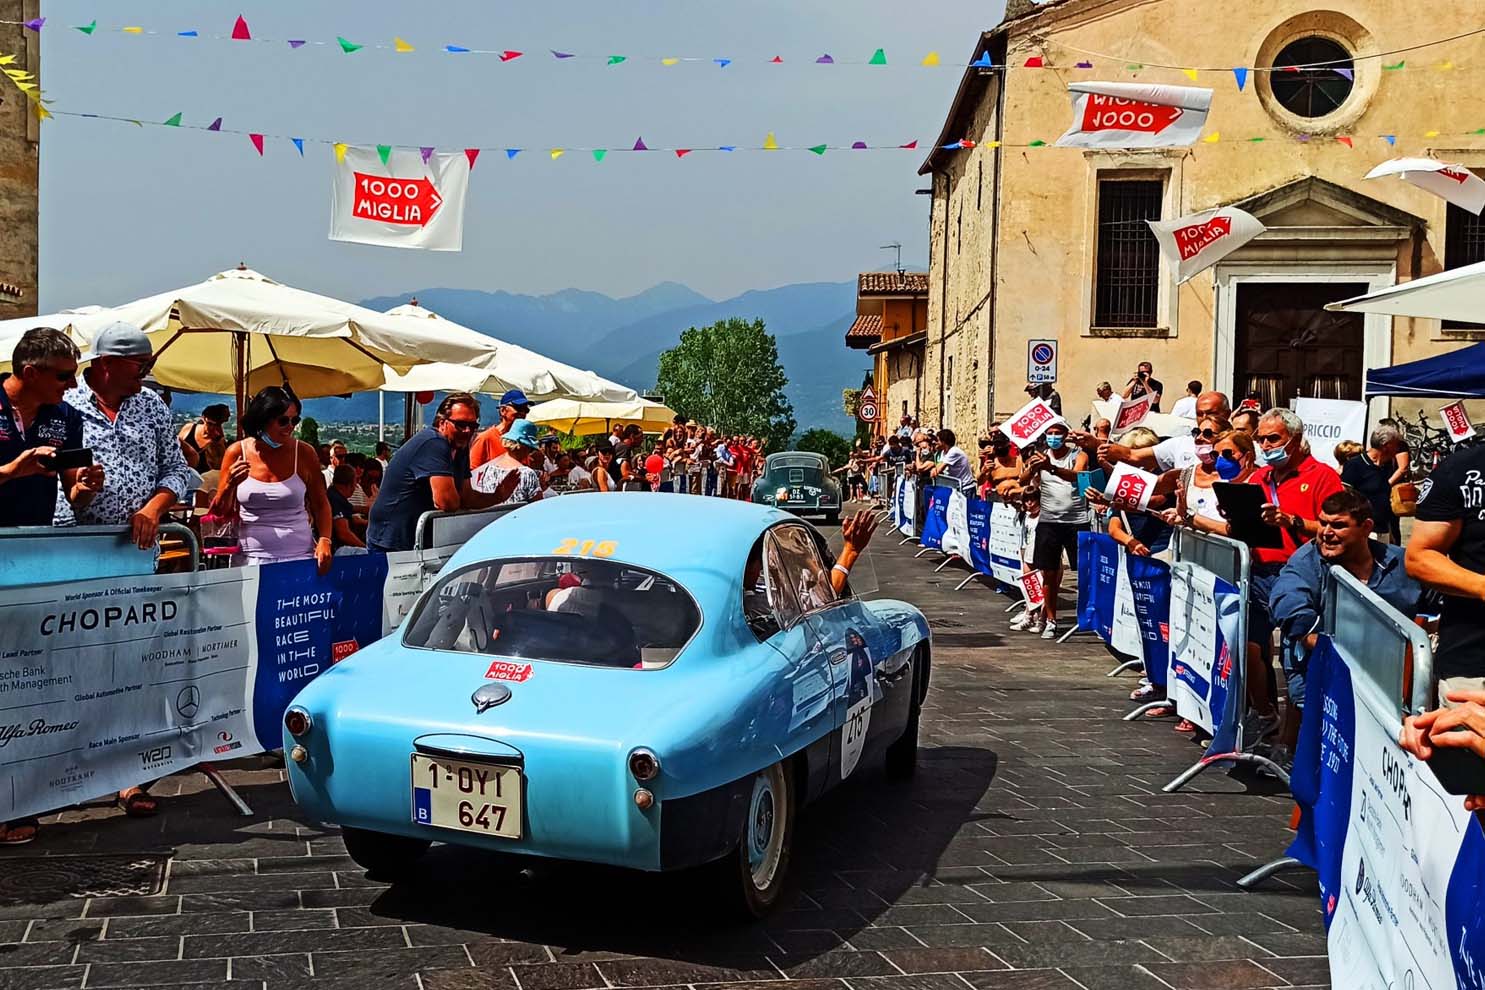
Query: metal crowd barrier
(46, 554)
(1232, 562)
(453, 529)
(1378, 643)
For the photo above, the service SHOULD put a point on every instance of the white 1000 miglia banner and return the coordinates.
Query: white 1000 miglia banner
(405, 202)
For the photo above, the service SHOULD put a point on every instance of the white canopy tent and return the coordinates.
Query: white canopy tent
(1457, 294)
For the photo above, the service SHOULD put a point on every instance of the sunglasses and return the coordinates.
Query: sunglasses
(287, 421)
(465, 424)
(1272, 438)
(1204, 434)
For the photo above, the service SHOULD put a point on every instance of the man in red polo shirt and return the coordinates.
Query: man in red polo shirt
(1295, 484)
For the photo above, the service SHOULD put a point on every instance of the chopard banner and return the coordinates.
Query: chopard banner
(1401, 864)
(110, 683)
(1135, 115)
(113, 682)
(1195, 243)
(400, 200)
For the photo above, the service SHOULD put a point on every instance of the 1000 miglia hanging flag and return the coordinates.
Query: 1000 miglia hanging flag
(399, 198)
(1192, 244)
(1135, 115)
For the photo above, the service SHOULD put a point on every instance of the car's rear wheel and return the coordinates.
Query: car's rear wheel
(902, 755)
(753, 876)
(382, 855)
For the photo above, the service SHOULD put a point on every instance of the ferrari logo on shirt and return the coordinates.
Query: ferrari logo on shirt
(1304, 487)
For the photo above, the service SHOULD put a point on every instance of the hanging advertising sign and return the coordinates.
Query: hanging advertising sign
(402, 202)
(1135, 115)
(1453, 183)
(1457, 421)
(1195, 243)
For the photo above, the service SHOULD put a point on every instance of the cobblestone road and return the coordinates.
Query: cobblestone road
(1033, 851)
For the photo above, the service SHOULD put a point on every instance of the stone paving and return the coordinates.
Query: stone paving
(1033, 851)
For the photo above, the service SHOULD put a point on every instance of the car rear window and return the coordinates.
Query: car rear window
(572, 610)
(796, 461)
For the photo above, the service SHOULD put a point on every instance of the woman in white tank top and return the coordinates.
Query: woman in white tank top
(272, 482)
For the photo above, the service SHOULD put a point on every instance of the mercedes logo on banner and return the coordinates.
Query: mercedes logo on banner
(188, 701)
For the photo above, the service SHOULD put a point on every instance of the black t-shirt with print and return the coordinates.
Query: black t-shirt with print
(1456, 491)
(1148, 385)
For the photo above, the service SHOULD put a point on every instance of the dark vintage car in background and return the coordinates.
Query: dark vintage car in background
(800, 482)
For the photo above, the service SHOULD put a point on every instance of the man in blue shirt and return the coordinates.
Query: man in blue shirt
(35, 423)
(430, 471)
(1298, 600)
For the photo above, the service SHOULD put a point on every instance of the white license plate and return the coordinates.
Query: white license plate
(796, 495)
(470, 797)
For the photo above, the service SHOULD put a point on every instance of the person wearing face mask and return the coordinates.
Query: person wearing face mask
(1221, 456)
(1063, 515)
(1295, 484)
(272, 484)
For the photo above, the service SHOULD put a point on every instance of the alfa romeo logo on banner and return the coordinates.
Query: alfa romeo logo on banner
(404, 202)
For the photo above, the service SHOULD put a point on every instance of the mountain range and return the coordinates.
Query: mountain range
(622, 339)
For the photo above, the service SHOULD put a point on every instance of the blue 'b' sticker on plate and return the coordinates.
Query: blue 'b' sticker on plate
(422, 806)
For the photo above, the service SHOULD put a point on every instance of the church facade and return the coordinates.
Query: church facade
(1032, 241)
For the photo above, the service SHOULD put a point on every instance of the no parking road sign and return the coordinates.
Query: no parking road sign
(1041, 361)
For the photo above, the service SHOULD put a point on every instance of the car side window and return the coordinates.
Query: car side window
(803, 567)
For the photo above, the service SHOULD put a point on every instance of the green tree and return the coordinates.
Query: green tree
(836, 448)
(309, 431)
(728, 375)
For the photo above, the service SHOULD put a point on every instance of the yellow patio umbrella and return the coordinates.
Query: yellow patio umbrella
(584, 418)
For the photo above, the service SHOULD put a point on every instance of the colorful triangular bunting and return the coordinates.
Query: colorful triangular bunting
(240, 30)
(399, 45)
(90, 28)
(819, 149)
(471, 154)
(931, 59)
(878, 57)
(215, 125)
(174, 121)
(384, 152)
(298, 145)
(348, 46)
(427, 153)
(257, 140)
(770, 143)
(599, 154)
(340, 147)
(1241, 75)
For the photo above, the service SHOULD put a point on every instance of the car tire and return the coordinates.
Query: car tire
(382, 855)
(752, 877)
(902, 754)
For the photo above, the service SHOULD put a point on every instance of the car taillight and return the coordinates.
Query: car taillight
(644, 765)
(297, 721)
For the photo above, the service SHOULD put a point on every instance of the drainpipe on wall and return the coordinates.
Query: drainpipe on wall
(943, 304)
(995, 245)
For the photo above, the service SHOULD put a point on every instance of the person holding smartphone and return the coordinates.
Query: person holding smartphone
(36, 425)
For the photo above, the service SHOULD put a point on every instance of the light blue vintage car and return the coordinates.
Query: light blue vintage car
(651, 681)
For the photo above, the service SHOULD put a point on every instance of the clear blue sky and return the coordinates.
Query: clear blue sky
(127, 211)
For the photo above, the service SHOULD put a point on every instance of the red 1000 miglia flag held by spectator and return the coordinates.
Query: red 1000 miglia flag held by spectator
(1030, 422)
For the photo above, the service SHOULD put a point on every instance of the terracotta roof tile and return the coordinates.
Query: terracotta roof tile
(865, 331)
(892, 283)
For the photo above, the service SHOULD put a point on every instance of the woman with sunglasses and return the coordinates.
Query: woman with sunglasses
(271, 482)
(1222, 455)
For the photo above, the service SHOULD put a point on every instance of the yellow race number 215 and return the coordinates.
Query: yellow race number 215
(587, 548)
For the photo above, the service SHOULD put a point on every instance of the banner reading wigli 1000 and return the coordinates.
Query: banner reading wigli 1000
(109, 683)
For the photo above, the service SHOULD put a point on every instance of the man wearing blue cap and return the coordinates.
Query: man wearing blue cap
(132, 436)
(491, 444)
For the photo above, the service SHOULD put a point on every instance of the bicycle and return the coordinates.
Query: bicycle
(1427, 444)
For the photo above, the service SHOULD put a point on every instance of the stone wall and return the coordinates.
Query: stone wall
(19, 149)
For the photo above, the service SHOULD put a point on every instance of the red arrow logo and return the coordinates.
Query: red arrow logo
(406, 202)
(1458, 175)
(1195, 239)
(1109, 113)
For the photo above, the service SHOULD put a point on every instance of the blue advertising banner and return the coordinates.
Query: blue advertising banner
(978, 513)
(935, 517)
(1206, 654)
(1401, 864)
(305, 624)
(1126, 601)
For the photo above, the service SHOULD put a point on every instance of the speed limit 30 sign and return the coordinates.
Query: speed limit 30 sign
(1041, 361)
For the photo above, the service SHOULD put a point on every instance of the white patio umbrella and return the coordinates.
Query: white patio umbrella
(240, 331)
(584, 418)
(504, 367)
(1458, 294)
(12, 330)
